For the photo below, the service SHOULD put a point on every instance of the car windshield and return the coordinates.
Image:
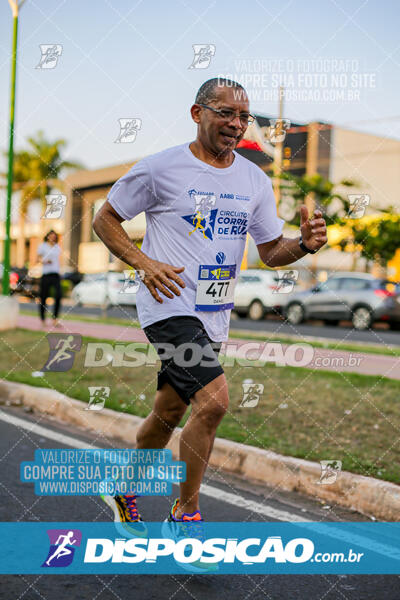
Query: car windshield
(90, 277)
(257, 278)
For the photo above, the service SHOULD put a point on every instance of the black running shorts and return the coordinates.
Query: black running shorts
(189, 358)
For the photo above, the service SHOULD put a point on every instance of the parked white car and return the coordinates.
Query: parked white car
(104, 289)
(259, 292)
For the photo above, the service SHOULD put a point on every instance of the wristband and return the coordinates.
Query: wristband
(304, 247)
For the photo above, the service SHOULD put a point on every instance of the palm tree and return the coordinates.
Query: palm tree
(37, 171)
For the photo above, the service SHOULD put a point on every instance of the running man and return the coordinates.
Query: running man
(179, 300)
(62, 549)
(63, 347)
(197, 222)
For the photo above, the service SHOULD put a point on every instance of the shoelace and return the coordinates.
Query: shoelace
(130, 502)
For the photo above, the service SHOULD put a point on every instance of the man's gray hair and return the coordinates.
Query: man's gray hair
(207, 91)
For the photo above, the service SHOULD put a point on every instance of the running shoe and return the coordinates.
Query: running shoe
(126, 516)
(190, 525)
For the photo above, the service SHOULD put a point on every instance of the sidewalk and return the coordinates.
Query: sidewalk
(373, 497)
(323, 359)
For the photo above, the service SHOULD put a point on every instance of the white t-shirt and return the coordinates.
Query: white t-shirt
(51, 253)
(197, 217)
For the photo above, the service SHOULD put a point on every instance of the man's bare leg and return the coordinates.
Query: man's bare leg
(157, 428)
(209, 405)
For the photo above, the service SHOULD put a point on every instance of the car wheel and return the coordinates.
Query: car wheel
(256, 311)
(241, 315)
(362, 318)
(295, 313)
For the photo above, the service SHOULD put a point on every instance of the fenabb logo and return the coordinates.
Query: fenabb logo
(190, 550)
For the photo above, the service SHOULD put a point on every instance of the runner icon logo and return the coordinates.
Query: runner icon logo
(251, 394)
(55, 204)
(203, 54)
(286, 281)
(203, 219)
(62, 351)
(128, 130)
(357, 205)
(330, 470)
(98, 397)
(132, 281)
(62, 547)
(50, 55)
(204, 201)
(278, 129)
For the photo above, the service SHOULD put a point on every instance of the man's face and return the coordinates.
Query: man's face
(217, 134)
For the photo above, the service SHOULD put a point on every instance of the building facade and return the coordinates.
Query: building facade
(336, 153)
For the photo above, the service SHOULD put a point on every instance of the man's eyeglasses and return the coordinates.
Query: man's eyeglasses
(228, 115)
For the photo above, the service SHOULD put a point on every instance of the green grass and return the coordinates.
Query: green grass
(315, 425)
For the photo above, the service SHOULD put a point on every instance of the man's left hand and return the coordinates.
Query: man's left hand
(313, 231)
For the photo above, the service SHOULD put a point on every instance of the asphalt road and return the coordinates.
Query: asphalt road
(18, 503)
(378, 335)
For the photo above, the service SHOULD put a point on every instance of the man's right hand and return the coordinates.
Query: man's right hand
(160, 277)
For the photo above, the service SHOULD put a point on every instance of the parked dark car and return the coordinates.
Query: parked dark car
(74, 276)
(358, 297)
(22, 283)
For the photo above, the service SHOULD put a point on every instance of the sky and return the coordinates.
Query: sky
(339, 62)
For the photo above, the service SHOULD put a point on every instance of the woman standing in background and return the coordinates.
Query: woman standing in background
(49, 253)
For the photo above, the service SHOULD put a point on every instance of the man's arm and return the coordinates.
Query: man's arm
(40, 259)
(107, 225)
(157, 275)
(284, 251)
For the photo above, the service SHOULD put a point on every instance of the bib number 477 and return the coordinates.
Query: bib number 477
(216, 288)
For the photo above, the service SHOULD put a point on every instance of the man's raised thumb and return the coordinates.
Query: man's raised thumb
(303, 214)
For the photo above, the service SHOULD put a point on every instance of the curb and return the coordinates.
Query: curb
(366, 495)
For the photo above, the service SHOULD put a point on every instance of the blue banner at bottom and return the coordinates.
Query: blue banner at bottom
(198, 547)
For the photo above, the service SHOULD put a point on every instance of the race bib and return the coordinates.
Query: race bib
(215, 287)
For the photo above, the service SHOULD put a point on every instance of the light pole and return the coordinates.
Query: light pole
(278, 151)
(15, 6)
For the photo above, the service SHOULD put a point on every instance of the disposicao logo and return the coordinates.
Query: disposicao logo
(218, 550)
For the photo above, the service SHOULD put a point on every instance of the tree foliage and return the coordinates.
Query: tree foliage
(377, 240)
(333, 204)
(37, 170)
